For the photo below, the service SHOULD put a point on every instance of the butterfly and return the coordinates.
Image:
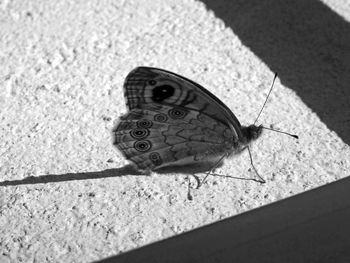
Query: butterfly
(173, 121)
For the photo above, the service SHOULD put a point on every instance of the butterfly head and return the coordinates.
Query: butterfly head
(252, 132)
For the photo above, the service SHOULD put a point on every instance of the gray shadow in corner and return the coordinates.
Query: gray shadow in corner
(309, 227)
(306, 43)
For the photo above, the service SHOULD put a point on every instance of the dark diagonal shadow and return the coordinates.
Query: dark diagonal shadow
(55, 178)
(309, 227)
(306, 43)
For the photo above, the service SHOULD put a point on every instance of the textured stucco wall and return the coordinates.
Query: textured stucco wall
(65, 193)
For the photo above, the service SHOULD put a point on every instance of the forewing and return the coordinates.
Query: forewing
(144, 86)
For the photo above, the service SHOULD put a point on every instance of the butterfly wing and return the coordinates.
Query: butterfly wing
(158, 136)
(144, 86)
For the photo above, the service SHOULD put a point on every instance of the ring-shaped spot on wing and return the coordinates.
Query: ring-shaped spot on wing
(139, 133)
(142, 146)
(160, 117)
(152, 82)
(155, 158)
(144, 123)
(177, 113)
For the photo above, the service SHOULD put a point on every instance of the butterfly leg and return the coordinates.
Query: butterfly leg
(212, 169)
(261, 180)
(210, 172)
(189, 196)
(197, 181)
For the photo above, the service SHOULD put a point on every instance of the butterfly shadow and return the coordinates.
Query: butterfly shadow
(55, 178)
(126, 170)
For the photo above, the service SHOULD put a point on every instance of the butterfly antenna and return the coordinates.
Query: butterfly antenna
(293, 135)
(268, 95)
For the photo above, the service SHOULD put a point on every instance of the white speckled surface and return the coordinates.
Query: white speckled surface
(62, 67)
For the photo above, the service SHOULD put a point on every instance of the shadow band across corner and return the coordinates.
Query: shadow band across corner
(310, 227)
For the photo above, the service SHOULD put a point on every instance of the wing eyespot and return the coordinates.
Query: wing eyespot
(160, 93)
(144, 123)
(139, 134)
(152, 82)
(155, 158)
(160, 117)
(143, 146)
(177, 113)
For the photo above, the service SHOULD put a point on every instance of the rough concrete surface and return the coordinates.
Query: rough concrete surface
(66, 194)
